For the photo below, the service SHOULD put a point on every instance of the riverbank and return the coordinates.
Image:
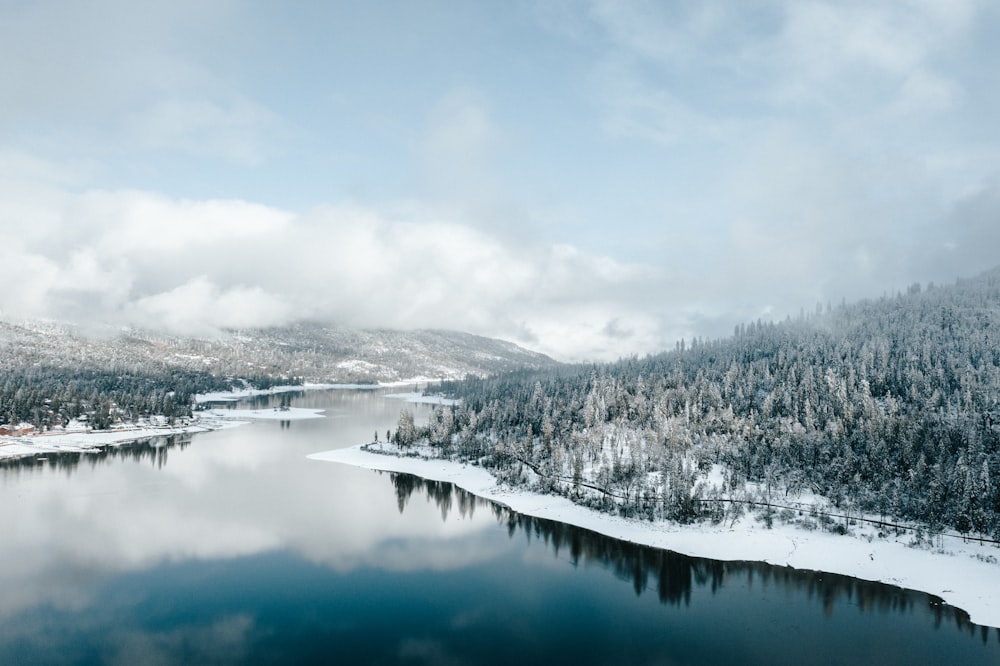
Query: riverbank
(81, 439)
(965, 575)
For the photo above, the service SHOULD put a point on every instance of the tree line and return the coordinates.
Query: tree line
(48, 396)
(889, 407)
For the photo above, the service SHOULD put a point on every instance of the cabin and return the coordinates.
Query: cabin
(19, 430)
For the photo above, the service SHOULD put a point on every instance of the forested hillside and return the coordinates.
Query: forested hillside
(50, 372)
(889, 407)
(47, 396)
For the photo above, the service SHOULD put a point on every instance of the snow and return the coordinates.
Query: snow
(87, 440)
(420, 398)
(233, 396)
(418, 380)
(268, 414)
(965, 575)
(76, 438)
(355, 365)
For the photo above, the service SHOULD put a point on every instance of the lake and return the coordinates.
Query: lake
(233, 547)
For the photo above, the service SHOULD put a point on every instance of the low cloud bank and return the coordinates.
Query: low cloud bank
(194, 267)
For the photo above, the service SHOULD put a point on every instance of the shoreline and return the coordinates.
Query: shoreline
(82, 440)
(966, 575)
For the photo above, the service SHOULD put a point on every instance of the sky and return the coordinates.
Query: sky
(589, 179)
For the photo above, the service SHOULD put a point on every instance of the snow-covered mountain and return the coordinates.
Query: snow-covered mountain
(314, 352)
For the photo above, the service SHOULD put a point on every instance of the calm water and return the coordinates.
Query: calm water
(233, 547)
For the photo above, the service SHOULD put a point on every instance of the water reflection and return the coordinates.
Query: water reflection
(670, 575)
(154, 450)
(674, 576)
(445, 495)
(242, 549)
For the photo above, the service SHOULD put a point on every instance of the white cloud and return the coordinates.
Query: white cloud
(830, 58)
(757, 157)
(200, 307)
(140, 222)
(198, 266)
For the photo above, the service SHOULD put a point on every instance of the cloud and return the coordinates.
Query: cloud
(854, 64)
(199, 307)
(645, 171)
(136, 223)
(198, 266)
(799, 151)
(140, 258)
(964, 243)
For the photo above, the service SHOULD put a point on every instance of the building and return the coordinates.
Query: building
(18, 430)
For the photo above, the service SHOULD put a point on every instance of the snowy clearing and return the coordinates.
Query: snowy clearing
(965, 575)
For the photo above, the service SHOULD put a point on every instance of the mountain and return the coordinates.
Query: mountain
(312, 352)
(135, 372)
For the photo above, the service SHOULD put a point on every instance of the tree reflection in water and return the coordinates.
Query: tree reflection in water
(155, 450)
(676, 575)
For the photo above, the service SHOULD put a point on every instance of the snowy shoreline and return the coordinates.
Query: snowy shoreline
(82, 439)
(79, 441)
(966, 575)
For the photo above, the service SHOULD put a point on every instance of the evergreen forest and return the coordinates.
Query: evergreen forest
(48, 396)
(887, 407)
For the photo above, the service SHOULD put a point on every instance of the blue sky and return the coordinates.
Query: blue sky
(591, 179)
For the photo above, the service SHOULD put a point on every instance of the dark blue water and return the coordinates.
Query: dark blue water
(232, 547)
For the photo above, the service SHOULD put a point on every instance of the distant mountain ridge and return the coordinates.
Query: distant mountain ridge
(51, 373)
(310, 351)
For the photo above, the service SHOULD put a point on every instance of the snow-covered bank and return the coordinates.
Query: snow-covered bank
(89, 440)
(967, 575)
(83, 439)
(240, 394)
(415, 396)
(269, 414)
(419, 398)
